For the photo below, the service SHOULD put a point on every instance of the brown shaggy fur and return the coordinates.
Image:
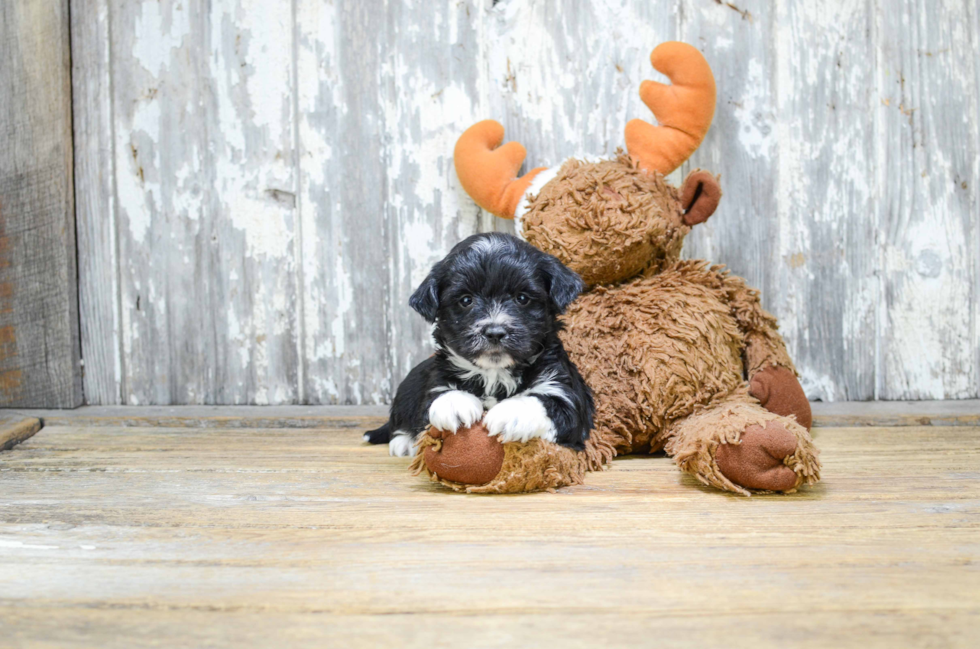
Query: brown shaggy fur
(666, 345)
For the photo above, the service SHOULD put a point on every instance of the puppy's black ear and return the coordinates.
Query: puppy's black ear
(425, 299)
(564, 284)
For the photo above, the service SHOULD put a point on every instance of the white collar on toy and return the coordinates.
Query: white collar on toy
(534, 188)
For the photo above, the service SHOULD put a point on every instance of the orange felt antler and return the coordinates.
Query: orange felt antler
(489, 174)
(684, 109)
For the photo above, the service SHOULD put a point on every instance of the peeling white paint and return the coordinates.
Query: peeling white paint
(158, 35)
(266, 227)
(755, 130)
(817, 386)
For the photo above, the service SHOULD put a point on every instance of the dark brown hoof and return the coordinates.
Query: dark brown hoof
(757, 462)
(470, 456)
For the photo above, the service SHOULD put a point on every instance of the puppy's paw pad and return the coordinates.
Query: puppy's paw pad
(519, 419)
(401, 446)
(454, 410)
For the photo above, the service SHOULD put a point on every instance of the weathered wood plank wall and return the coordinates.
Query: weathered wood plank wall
(39, 338)
(261, 185)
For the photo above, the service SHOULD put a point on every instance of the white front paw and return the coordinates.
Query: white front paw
(454, 410)
(519, 419)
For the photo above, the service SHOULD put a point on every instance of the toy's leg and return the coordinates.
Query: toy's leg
(738, 445)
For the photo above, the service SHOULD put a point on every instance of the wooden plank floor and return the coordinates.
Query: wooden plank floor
(122, 537)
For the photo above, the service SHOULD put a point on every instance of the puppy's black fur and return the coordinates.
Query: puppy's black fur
(494, 301)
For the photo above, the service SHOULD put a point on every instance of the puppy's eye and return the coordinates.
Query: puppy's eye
(466, 301)
(523, 299)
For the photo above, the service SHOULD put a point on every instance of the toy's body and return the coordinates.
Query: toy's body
(680, 355)
(665, 355)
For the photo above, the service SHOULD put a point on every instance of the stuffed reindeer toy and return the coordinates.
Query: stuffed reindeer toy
(680, 355)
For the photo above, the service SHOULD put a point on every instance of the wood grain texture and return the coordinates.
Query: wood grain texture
(929, 216)
(742, 145)
(297, 179)
(170, 536)
(216, 628)
(39, 339)
(822, 267)
(205, 173)
(342, 201)
(95, 201)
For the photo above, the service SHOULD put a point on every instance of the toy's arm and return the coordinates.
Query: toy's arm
(772, 377)
(763, 344)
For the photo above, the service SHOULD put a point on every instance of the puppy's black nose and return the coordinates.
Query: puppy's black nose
(494, 333)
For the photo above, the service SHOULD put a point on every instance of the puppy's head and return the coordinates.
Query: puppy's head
(495, 299)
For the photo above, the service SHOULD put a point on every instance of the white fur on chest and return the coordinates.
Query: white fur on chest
(492, 378)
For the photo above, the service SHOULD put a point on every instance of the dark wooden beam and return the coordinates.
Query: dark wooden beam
(40, 358)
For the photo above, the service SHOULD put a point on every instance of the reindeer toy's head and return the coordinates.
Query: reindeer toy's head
(608, 220)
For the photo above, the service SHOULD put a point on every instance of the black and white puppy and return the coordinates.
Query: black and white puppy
(494, 303)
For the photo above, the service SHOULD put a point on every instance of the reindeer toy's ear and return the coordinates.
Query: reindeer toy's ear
(700, 195)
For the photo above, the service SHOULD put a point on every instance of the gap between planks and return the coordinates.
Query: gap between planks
(825, 415)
